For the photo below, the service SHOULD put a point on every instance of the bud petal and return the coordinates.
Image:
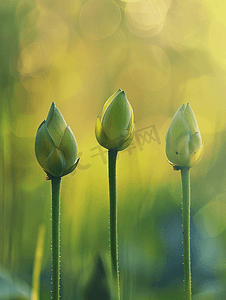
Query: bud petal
(56, 124)
(109, 100)
(128, 141)
(43, 145)
(196, 156)
(101, 136)
(190, 117)
(68, 147)
(178, 126)
(195, 142)
(114, 126)
(71, 169)
(56, 163)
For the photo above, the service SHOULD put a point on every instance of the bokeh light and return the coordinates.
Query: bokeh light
(99, 19)
(145, 18)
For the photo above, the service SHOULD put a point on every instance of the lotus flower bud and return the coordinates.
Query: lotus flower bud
(115, 128)
(55, 145)
(183, 139)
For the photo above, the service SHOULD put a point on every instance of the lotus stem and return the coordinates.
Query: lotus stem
(112, 155)
(56, 237)
(186, 201)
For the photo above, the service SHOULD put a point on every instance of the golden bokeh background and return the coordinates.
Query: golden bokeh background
(162, 53)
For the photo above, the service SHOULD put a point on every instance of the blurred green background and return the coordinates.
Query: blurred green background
(77, 53)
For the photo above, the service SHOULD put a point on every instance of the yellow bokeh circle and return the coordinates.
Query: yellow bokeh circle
(99, 19)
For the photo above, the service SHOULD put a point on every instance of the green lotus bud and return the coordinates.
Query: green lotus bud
(183, 139)
(115, 128)
(55, 145)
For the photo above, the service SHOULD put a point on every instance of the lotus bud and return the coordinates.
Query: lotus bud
(115, 128)
(183, 139)
(55, 145)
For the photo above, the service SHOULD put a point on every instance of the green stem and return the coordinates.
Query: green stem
(186, 201)
(112, 155)
(56, 236)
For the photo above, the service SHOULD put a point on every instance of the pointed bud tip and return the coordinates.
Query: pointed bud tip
(51, 110)
(52, 105)
(183, 107)
(120, 91)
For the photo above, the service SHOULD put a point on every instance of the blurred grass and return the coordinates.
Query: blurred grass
(77, 53)
(38, 263)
